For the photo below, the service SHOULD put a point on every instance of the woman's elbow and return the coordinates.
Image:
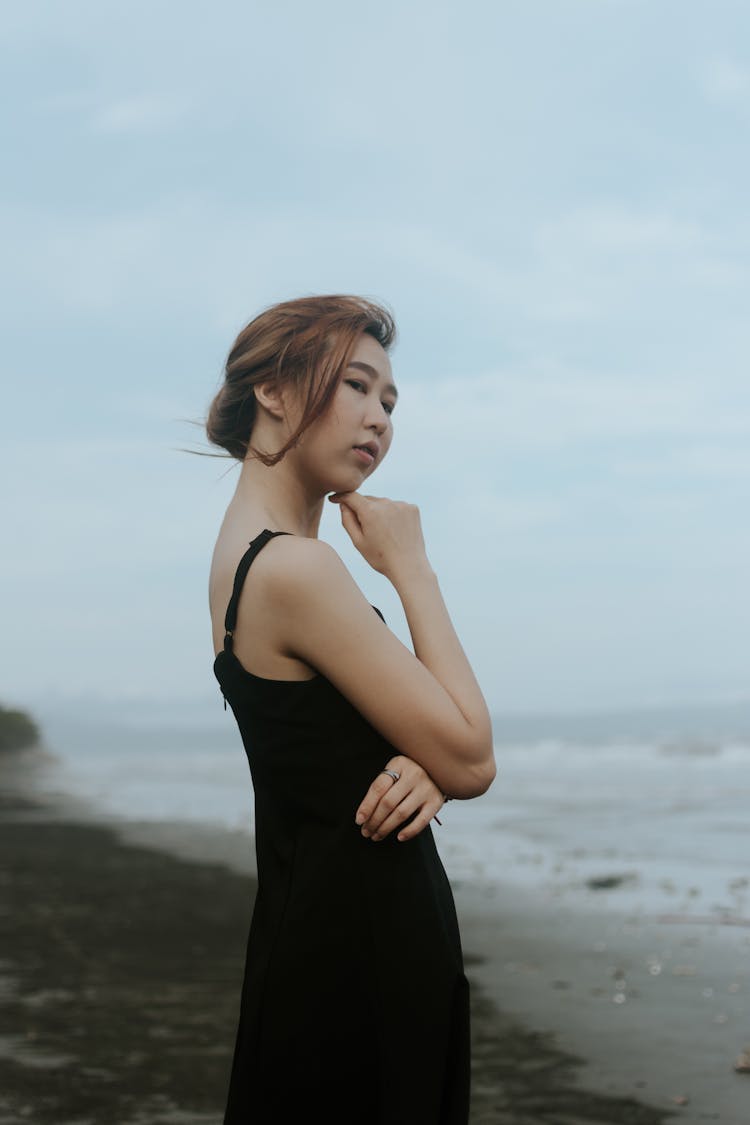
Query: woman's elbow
(475, 779)
(487, 774)
(484, 775)
(484, 762)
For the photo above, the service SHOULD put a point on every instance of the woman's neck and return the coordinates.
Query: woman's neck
(276, 497)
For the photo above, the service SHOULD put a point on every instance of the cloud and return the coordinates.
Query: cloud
(558, 406)
(565, 247)
(140, 113)
(535, 516)
(711, 462)
(188, 252)
(606, 226)
(725, 81)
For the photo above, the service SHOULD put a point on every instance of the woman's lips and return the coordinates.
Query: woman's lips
(364, 454)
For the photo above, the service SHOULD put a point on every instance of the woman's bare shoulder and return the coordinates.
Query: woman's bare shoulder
(292, 565)
(290, 550)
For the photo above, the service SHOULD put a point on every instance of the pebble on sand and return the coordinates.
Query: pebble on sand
(742, 1062)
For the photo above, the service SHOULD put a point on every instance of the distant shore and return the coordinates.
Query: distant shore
(122, 966)
(18, 730)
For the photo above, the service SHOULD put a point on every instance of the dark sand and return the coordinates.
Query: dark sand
(120, 970)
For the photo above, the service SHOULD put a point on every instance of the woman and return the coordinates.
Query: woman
(354, 1003)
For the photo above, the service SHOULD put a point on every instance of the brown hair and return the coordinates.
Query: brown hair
(306, 342)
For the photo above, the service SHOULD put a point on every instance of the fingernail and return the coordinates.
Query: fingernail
(365, 832)
(359, 818)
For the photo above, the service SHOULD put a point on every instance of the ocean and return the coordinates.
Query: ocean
(646, 810)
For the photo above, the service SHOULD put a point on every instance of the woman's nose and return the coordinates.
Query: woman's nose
(378, 419)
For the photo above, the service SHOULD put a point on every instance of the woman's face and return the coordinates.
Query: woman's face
(345, 446)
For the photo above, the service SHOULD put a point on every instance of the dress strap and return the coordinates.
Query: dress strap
(256, 545)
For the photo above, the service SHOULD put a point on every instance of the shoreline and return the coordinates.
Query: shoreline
(651, 1007)
(542, 1033)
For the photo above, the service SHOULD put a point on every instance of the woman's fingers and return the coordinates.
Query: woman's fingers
(380, 827)
(351, 524)
(405, 811)
(381, 786)
(420, 822)
(389, 803)
(397, 806)
(395, 800)
(384, 531)
(356, 500)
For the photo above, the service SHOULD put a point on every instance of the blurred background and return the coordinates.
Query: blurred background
(552, 199)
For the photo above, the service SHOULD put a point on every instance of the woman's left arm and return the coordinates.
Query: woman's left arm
(388, 803)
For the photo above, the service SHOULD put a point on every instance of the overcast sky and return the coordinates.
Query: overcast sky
(551, 196)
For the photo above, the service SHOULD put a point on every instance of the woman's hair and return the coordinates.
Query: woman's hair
(306, 343)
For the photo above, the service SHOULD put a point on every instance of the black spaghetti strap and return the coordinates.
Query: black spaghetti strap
(256, 545)
(230, 618)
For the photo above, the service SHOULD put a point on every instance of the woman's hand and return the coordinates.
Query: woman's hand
(388, 803)
(387, 533)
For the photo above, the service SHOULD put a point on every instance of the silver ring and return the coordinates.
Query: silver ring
(392, 773)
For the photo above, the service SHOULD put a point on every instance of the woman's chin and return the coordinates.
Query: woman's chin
(346, 482)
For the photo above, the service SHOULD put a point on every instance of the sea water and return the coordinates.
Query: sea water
(646, 810)
(601, 882)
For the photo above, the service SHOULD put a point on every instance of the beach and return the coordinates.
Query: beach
(122, 944)
(120, 980)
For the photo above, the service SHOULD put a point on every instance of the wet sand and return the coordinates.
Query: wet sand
(120, 970)
(654, 1005)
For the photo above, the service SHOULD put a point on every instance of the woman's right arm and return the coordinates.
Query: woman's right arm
(426, 703)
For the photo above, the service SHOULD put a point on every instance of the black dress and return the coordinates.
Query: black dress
(354, 1006)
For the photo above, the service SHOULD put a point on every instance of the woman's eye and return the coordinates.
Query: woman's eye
(363, 388)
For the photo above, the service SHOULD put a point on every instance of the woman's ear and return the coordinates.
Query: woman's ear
(270, 397)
